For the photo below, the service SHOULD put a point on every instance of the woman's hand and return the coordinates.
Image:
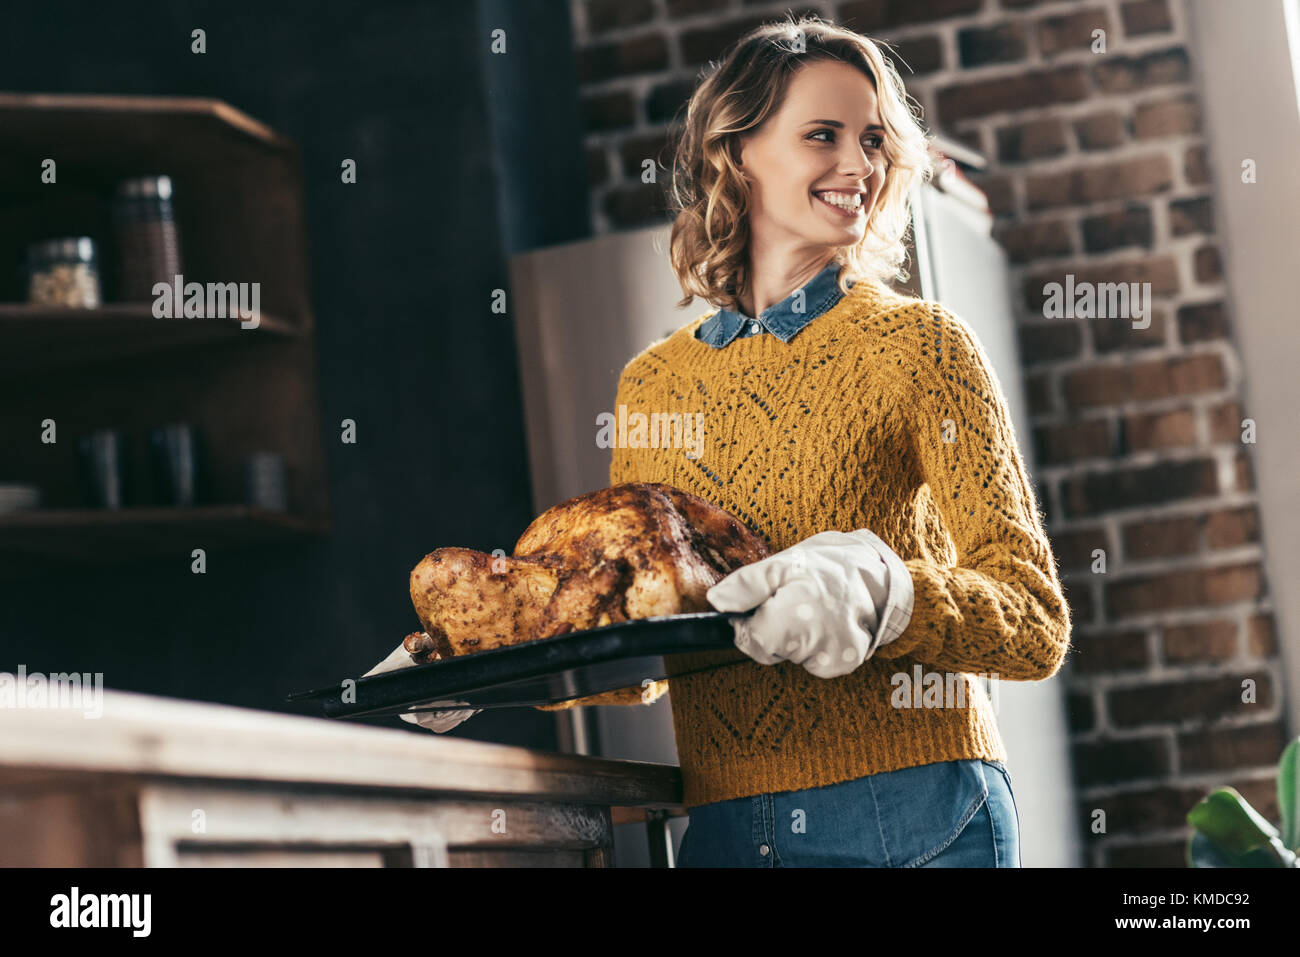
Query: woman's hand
(826, 603)
(438, 721)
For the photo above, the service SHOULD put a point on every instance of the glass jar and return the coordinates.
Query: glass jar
(63, 272)
(148, 244)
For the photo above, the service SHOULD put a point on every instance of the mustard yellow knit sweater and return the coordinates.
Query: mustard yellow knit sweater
(882, 413)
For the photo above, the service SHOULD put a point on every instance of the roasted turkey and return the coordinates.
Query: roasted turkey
(631, 551)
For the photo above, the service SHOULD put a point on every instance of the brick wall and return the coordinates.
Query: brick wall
(1098, 168)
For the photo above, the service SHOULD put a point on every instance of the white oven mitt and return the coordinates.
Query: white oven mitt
(433, 720)
(826, 603)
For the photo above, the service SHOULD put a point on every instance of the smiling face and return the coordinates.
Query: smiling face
(815, 156)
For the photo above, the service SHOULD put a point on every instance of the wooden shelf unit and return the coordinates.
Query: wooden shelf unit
(238, 202)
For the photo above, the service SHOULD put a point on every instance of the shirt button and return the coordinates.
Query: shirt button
(763, 849)
(753, 328)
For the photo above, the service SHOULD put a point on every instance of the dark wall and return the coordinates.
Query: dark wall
(403, 264)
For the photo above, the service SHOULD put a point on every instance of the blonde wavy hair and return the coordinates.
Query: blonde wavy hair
(708, 197)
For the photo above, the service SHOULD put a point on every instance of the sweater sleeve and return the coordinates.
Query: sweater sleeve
(618, 457)
(999, 609)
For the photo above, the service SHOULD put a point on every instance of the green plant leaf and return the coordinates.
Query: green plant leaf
(1288, 782)
(1202, 852)
(1238, 830)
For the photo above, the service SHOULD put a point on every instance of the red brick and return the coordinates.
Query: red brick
(1145, 17)
(1022, 91)
(1117, 334)
(1175, 117)
(1113, 384)
(633, 153)
(644, 53)
(1026, 241)
(1073, 549)
(1200, 641)
(1160, 430)
(1207, 266)
(710, 41)
(1110, 761)
(1225, 422)
(1178, 375)
(1038, 388)
(1203, 700)
(1106, 653)
(1046, 341)
(1033, 140)
(608, 111)
(1196, 169)
(999, 43)
(1082, 186)
(1162, 538)
(1187, 216)
(864, 15)
(1118, 228)
(873, 14)
(1096, 493)
(1200, 322)
(1218, 749)
(917, 56)
(1261, 639)
(1072, 441)
(1100, 131)
(1184, 588)
(1072, 31)
(1122, 74)
(1245, 473)
(665, 100)
(1143, 811)
(605, 15)
(678, 9)
(1232, 527)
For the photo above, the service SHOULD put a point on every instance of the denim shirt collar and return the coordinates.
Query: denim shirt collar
(782, 319)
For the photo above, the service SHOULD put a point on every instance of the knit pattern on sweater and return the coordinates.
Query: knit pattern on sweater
(882, 413)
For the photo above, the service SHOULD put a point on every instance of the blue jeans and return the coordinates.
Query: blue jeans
(949, 814)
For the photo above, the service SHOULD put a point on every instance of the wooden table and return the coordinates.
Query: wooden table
(159, 782)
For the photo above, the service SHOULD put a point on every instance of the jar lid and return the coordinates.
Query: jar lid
(145, 187)
(72, 248)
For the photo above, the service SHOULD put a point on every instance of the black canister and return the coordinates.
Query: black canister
(179, 464)
(106, 468)
(148, 243)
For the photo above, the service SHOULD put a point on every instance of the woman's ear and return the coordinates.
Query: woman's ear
(737, 148)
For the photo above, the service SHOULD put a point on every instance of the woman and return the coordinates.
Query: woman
(865, 437)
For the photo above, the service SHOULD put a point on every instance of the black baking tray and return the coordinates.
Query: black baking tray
(546, 671)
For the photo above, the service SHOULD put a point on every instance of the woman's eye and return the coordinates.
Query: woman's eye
(876, 141)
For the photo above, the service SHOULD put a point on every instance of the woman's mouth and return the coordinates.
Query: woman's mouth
(848, 205)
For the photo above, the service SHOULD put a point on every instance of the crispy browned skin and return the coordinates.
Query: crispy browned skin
(466, 606)
(633, 551)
